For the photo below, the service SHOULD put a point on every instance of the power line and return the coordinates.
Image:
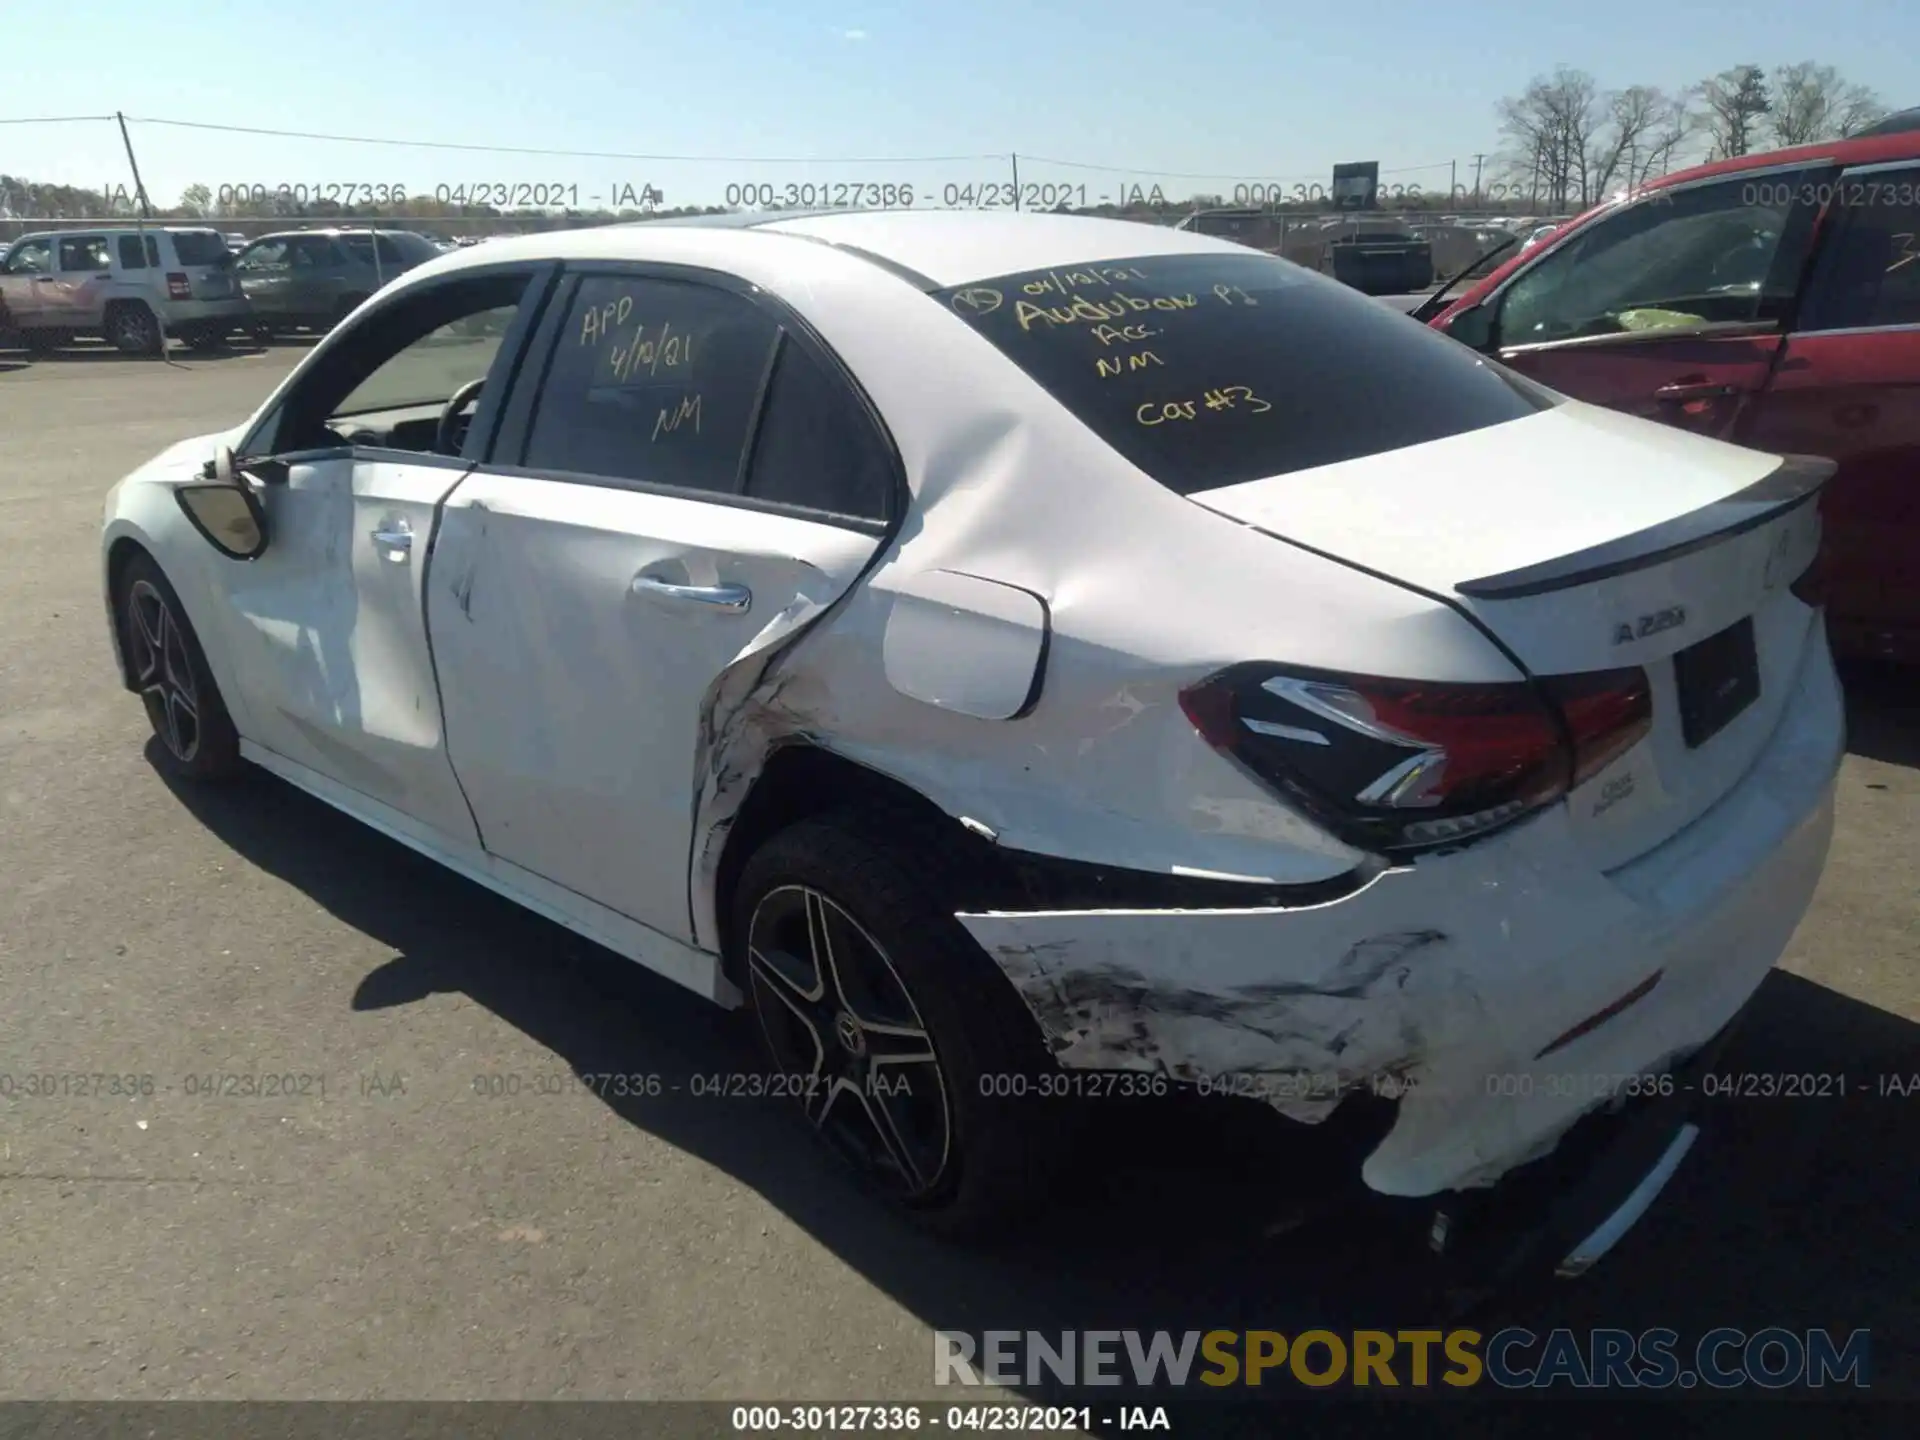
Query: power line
(564, 154)
(554, 153)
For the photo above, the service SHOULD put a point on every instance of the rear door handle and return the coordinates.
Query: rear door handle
(736, 598)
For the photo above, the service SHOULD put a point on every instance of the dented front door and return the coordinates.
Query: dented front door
(329, 632)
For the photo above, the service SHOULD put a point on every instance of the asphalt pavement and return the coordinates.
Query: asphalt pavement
(388, 1226)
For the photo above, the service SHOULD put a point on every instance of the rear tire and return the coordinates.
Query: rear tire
(906, 996)
(133, 329)
(169, 669)
(210, 337)
(41, 342)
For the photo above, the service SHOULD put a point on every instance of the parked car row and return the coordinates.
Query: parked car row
(1772, 300)
(135, 287)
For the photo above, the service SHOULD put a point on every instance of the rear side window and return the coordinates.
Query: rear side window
(817, 447)
(1871, 275)
(130, 253)
(1210, 370)
(652, 381)
(363, 248)
(201, 247)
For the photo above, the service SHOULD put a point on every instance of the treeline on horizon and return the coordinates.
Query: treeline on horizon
(24, 200)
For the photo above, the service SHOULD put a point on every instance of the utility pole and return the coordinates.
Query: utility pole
(1453, 181)
(1016, 179)
(139, 187)
(148, 258)
(1476, 177)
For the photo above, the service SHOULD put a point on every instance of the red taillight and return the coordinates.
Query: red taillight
(179, 287)
(1607, 712)
(1403, 765)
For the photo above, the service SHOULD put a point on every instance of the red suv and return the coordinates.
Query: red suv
(1772, 300)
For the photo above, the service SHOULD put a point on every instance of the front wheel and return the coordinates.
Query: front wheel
(169, 669)
(900, 1042)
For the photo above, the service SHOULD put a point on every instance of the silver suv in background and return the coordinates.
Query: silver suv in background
(134, 288)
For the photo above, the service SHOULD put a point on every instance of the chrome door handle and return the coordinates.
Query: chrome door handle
(736, 598)
(1701, 391)
(394, 542)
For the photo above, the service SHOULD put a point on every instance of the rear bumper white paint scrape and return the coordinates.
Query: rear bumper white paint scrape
(1451, 975)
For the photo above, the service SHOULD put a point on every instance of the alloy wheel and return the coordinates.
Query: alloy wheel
(157, 649)
(837, 1017)
(136, 332)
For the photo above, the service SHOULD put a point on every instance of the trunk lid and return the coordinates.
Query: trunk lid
(1585, 540)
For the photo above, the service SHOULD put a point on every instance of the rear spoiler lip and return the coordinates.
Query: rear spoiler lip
(1794, 482)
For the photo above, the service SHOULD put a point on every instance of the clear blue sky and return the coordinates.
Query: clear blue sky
(1237, 88)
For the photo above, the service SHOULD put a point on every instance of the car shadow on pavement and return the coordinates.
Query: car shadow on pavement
(1793, 1210)
(1883, 712)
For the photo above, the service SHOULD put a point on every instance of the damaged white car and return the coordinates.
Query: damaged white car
(1002, 649)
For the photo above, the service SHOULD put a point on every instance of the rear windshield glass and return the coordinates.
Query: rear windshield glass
(201, 247)
(1209, 370)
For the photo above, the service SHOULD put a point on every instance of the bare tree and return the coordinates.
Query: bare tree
(1859, 108)
(1735, 101)
(1812, 103)
(1643, 131)
(1569, 144)
(1675, 126)
(1551, 130)
(197, 201)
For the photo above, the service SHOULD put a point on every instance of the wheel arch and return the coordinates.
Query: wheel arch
(802, 779)
(120, 553)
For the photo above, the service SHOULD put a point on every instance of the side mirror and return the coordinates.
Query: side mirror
(1474, 328)
(227, 515)
(223, 466)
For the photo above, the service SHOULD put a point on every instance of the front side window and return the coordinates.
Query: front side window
(1213, 369)
(1727, 251)
(406, 359)
(1870, 276)
(427, 370)
(260, 255)
(653, 381)
(30, 257)
(85, 252)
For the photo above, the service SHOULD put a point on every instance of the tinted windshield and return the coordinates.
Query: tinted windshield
(1208, 370)
(201, 247)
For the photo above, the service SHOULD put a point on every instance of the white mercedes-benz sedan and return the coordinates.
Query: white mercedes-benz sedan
(1025, 656)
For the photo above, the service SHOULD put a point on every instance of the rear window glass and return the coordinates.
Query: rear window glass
(201, 247)
(1210, 370)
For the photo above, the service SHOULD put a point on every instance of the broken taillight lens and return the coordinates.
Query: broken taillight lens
(1407, 765)
(179, 287)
